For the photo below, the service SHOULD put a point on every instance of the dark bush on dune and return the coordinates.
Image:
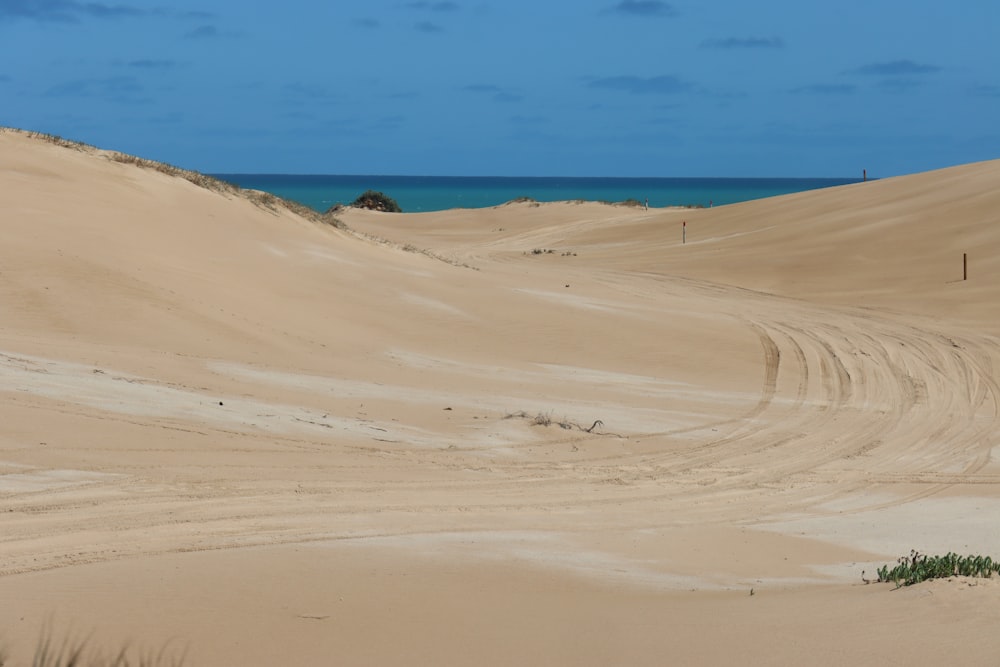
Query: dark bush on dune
(376, 201)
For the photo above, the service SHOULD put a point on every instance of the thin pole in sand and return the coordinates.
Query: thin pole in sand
(965, 266)
(684, 231)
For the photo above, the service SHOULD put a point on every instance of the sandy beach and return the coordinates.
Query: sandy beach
(534, 434)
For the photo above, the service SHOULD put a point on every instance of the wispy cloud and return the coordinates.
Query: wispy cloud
(72, 11)
(899, 84)
(69, 89)
(481, 88)
(203, 32)
(985, 91)
(642, 8)
(826, 89)
(529, 120)
(308, 91)
(63, 11)
(391, 122)
(171, 118)
(497, 93)
(428, 27)
(657, 85)
(118, 89)
(434, 6)
(150, 64)
(744, 43)
(189, 15)
(895, 68)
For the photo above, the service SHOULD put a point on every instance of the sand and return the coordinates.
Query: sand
(260, 439)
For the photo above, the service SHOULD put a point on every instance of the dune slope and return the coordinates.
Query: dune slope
(301, 441)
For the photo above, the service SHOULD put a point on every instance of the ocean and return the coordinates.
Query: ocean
(416, 194)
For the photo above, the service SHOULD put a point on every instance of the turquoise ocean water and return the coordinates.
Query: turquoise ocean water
(436, 193)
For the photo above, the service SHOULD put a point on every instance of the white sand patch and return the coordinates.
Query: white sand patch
(433, 304)
(344, 388)
(274, 250)
(417, 360)
(547, 550)
(644, 385)
(859, 501)
(618, 417)
(132, 395)
(4, 465)
(325, 254)
(723, 237)
(575, 300)
(45, 480)
(624, 383)
(930, 525)
(580, 374)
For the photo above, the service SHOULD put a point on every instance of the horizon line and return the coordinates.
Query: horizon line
(699, 178)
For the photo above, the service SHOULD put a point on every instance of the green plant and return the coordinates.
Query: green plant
(376, 201)
(919, 567)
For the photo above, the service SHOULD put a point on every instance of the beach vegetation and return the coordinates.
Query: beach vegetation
(330, 216)
(632, 203)
(545, 419)
(918, 567)
(549, 251)
(77, 653)
(264, 200)
(56, 140)
(376, 201)
(541, 419)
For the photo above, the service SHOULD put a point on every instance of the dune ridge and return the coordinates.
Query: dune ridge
(284, 440)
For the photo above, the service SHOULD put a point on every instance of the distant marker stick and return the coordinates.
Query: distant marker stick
(684, 231)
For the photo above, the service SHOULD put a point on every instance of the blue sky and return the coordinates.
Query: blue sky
(449, 87)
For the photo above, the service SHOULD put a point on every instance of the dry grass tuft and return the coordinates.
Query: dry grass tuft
(545, 419)
(77, 653)
(264, 200)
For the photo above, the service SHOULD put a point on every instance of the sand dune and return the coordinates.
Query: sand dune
(530, 434)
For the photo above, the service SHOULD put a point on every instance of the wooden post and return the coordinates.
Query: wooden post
(965, 266)
(684, 231)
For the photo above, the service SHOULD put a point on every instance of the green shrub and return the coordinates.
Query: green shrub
(376, 201)
(918, 567)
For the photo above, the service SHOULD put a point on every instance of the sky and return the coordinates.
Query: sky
(773, 88)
